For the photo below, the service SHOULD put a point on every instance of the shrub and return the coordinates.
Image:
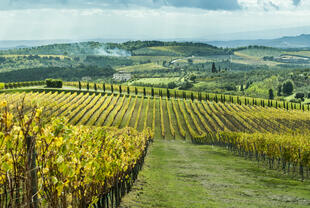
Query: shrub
(53, 83)
(288, 87)
(300, 95)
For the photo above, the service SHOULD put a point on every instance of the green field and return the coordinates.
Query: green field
(155, 81)
(142, 67)
(180, 175)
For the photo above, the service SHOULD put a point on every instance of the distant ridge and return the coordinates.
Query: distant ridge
(300, 41)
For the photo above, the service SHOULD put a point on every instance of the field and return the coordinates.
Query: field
(142, 67)
(188, 94)
(186, 118)
(251, 59)
(270, 136)
(155, 81)
(211, 177)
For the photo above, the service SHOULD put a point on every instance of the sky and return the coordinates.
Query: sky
(152, 19)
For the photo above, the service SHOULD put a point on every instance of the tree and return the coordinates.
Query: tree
(164, 63)
(213, 70)
(144, 91)
(288, 87)
(271, 95)
(172, 85)
(168, 93)
(300, 95)
(192, 96)
(87, 86)
(112, 89)
(192, 77)
(136, 91)
(247, 85)
(190, 61)
(80, 85)
(103, 87)
(152, 92)
(51, 83)
(120, 89)
(95, 87)
(279, 93)
(128, 90)
(241, 88)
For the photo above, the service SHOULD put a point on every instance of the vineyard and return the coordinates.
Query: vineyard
(163, 92)
(54, 164)
(177, 118)
(276, 137)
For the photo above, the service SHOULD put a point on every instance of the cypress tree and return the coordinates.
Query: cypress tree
(192, 96)
(136, 91)
(103, 87)
(80, 85)
(184, 95)
(271, 95)
(87, 86)
(152, 92)
(213, 70)
(112, 89)
(128, 90)
(120, 89)
(95, 87)
(168, 93)
(144, 92)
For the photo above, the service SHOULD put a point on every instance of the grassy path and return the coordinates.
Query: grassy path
(178, 174)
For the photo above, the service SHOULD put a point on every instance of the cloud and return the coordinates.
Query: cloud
(296, 2)
(271, 5)
(206, 4)
(201, 4)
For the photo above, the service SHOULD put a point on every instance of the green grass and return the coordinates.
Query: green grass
(141, 67)
(299, 53)
(178, 174)
(248, 58)
(261, 52)
(159, 59)
(156, 81)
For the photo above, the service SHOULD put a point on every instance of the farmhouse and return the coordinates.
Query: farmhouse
(122, 76)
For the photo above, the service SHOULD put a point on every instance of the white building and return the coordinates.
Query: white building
(122, 76)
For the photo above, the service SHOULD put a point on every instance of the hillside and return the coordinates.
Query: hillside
(119, 49)
(169, 118)
(301, 41)
(272, 136)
